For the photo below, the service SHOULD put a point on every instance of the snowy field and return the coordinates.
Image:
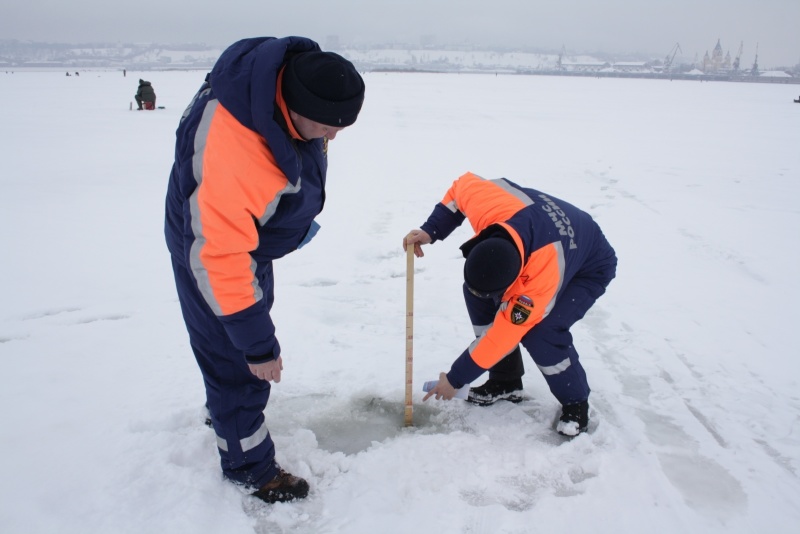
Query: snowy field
(692, 354)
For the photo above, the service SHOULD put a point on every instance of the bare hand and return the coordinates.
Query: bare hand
(269, 371)
(416, 238)
(443, 389)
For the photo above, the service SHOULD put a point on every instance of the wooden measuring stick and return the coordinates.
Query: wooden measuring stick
(409, 412)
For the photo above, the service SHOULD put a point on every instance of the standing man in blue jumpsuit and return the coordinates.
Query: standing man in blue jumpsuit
(247, 182)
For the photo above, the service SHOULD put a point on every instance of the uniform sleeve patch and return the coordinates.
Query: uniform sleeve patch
(521, 310)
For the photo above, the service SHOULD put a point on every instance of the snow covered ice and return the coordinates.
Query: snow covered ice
(692, 354)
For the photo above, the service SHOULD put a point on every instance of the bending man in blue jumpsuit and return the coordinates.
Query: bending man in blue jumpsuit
(533, 269)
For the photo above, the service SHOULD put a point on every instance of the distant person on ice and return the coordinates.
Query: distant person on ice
(534, 267)
(145, 94)
(251, 160)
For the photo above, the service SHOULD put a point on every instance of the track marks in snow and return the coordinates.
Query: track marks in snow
(657, 402)
(706, 422)
(705, 484)
(55, 318)
(71, 313)
(719, 253)
(8, 339)
(319, 282)
(49, 313)
(108, 317)
(779, 459)
(611, 190)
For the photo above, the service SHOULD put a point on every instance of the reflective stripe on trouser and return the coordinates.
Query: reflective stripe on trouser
(235, 398)
(550, 343)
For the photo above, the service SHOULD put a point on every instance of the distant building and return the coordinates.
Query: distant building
(632, 66)
(719, 61)
(584, 66)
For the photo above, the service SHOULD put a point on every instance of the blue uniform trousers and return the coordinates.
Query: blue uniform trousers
(549, 342)
(235, 397)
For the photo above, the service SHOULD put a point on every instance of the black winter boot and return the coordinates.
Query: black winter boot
(494, 390)
(283, 488)
(574, 419)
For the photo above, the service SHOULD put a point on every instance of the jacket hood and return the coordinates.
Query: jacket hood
(245, 76)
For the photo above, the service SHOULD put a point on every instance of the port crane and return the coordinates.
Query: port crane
(559, 63)
(738, 57)
(671, 56)
(754, 70)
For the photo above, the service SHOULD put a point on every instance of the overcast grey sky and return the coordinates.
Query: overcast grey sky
(611, 26)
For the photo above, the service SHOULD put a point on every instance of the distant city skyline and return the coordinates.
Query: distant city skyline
(614, 27)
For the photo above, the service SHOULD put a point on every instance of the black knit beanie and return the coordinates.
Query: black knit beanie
(492, 266)
(323, 87)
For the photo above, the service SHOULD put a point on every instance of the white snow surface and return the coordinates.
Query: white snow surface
(692, 354)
